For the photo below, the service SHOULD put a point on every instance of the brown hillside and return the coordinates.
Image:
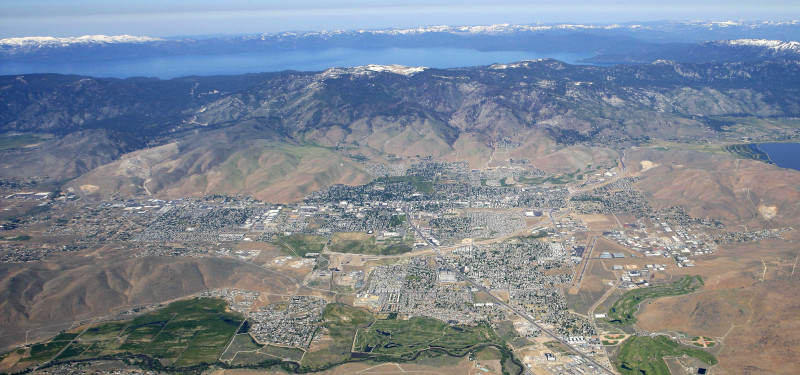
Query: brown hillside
(719, 186)
(40, 295)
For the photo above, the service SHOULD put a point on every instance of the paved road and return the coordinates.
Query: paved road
(501, 302)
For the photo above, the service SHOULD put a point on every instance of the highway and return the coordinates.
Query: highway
(501, 302)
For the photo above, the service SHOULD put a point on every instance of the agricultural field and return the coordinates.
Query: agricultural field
(623, 310)
(184, 333)
(645, 355)
(44, 351)
(244, 350)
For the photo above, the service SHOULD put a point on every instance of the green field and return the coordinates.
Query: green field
(299, 244)
(748, 151)
(44, 351)
(362, 243)
(16, 141)
(418, 182)
(623, 310)
(404, 338)
(559, 179)
(397, 220)
(16, 238)
(341, 322)
(196, 332)
(246, 351)
(645, 355)
(184, 333)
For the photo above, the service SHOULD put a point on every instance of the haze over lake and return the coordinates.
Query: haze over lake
(301, 60)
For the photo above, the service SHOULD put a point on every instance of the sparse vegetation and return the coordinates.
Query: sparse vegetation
(362, 243)
(299, 244)
(533, 236)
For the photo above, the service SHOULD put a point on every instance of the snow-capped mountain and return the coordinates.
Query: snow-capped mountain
(690, 41)
(774, 45)
(713, 51)
(675, 32)
(40, 41)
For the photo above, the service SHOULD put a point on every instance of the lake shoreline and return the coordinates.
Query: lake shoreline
(784, 155)
(168, 67)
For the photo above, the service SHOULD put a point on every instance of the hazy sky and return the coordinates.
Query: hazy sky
(197, 17)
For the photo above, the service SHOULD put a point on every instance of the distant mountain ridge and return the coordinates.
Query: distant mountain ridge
(665, 26)
(707, 52)
(592, 40)
(40, 41)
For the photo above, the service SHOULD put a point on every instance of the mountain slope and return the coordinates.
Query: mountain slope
(282, 135)
(572, 38)
(719, 51)
(270, 171)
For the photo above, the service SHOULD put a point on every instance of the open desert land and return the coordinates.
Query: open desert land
(744, 193)
(749, 304)
(40, 299)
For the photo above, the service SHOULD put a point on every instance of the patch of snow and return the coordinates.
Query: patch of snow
(518, 64)
(502, 28)
(396, 69)
(366, 69)
(776, 45)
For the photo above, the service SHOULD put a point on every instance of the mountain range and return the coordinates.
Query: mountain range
(279, 136)
(647, 41)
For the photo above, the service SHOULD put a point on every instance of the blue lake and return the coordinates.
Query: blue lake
(784, 155)
(301, 60)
